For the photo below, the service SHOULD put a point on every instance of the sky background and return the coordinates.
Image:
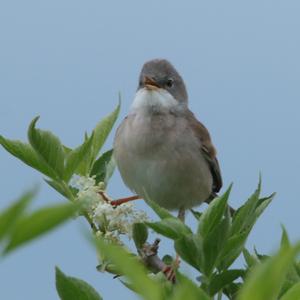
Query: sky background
(67, 60)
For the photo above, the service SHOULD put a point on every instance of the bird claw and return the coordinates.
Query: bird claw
(170, 271)
(124, 200)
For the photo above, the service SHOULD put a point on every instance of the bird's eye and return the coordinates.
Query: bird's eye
(170, 82)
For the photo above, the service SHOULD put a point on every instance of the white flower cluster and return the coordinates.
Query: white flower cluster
(88, 192)
(112, 221)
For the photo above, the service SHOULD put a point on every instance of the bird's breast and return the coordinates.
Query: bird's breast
(150, 133)
(158, 155)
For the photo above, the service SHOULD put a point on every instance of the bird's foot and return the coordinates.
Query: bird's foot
(124, 200)
(170, 271)
(117, 202)
(105, 197)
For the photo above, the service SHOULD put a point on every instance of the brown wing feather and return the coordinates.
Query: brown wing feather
(208, 150)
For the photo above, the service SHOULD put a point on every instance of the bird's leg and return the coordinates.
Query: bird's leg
(104, 196)
(181, 214)
(124, 200)
(170, 274)
(117, 202)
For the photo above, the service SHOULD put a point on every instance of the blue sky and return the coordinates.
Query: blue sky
(67, 60)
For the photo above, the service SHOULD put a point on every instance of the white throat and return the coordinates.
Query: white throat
(158, 98)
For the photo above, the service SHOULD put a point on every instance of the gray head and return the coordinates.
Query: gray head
(160, 73)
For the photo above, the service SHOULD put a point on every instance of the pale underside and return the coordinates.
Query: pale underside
(159, 156)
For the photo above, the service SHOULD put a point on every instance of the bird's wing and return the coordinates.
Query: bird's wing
(208, 150)
(120, 127)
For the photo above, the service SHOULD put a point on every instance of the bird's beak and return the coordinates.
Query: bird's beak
(150, 83)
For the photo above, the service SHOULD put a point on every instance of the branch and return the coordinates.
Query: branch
(149, 256)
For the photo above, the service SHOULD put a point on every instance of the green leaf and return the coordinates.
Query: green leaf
(285, 241)
(59, 187)
(70, 288)
(267, 278)
(165, 284)
(221, 280)
(289, 282)
(244, 217)
(160, 211)
(26, 154)
(261, 257)
(75, 157)
(67, 191)
(102, 130)
(132, 269)
(231, 290)
(170, 227)
(250, 259)
(103, 167)
(66, 149)
(38, 223)
(213, 245)
(48, 147)
(189, 248)
(213, 214)
(297, 267)
(128, 285)
(293, 293)
(196, 214)
(108, 267)
(10, 215)
(110, 168)
(140, 234)
(263, 204)
(84, 167)
(231, 250)
(168, 259)
(186, 289)
(292, 277)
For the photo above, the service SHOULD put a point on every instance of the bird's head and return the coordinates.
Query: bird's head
(159, 74)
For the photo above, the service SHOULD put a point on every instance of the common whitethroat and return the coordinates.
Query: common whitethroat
(162, 151)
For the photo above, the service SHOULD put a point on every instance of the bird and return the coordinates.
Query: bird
(162, 151)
